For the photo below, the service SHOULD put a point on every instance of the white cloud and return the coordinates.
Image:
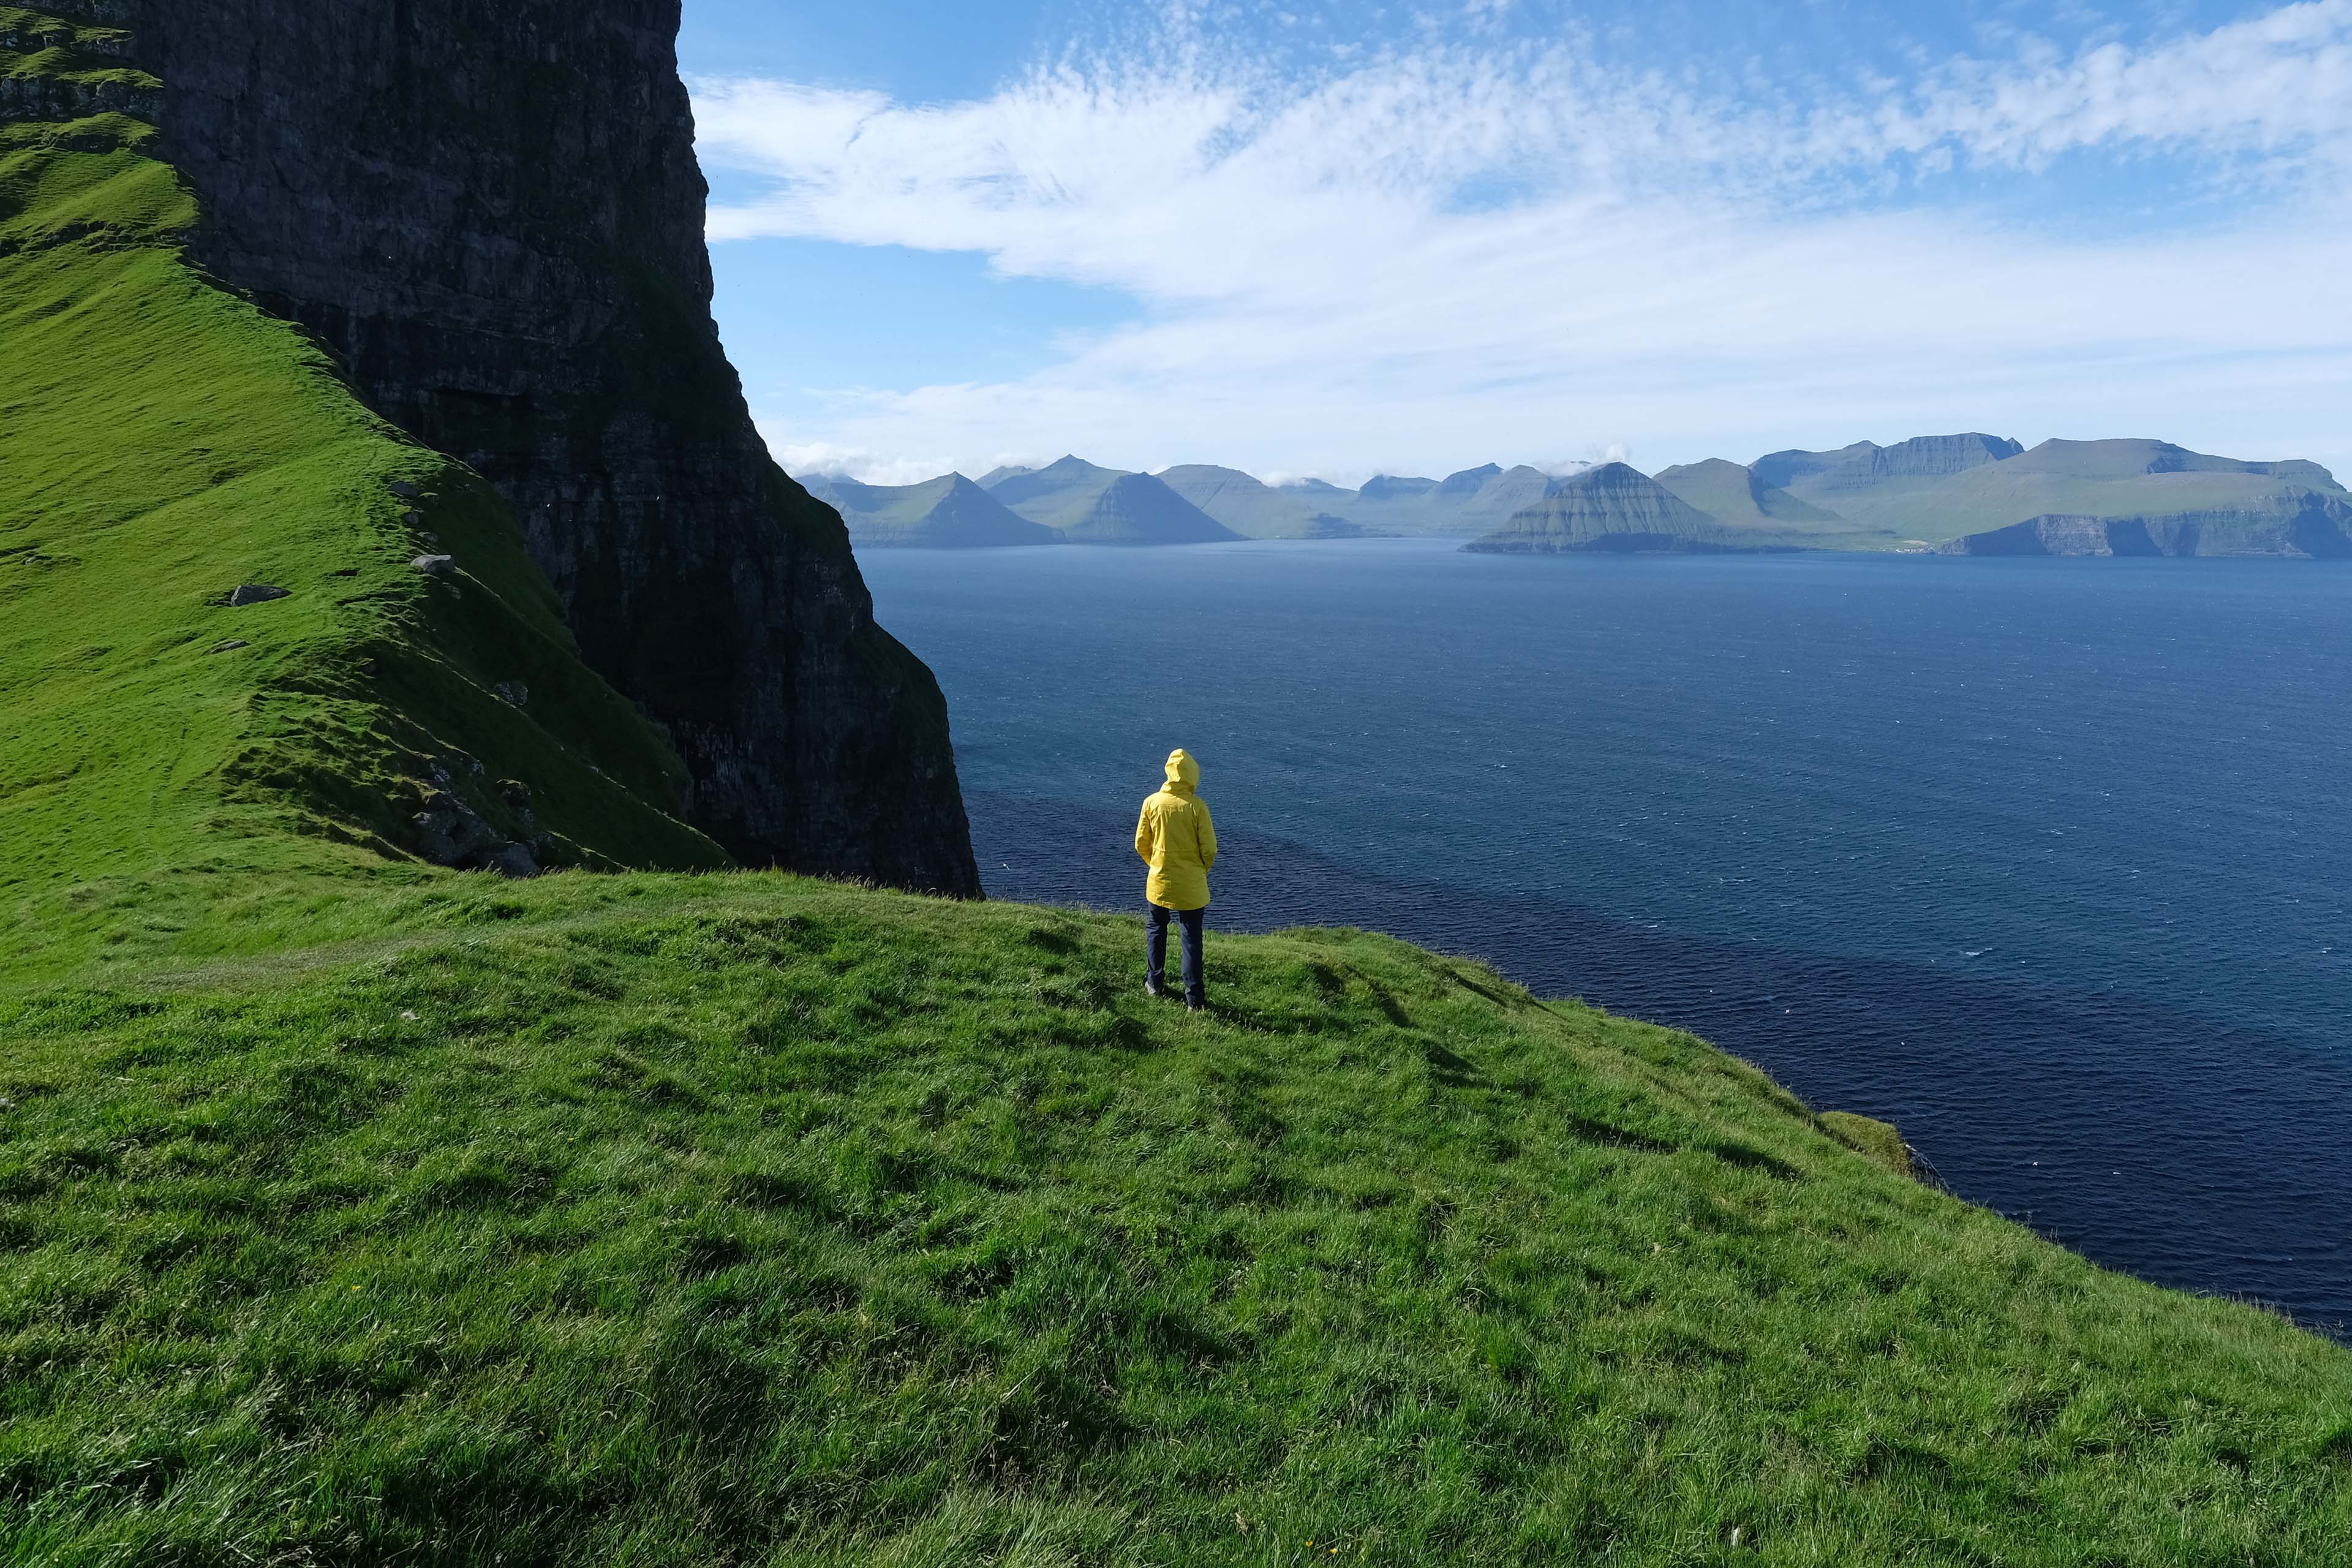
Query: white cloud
(860, 463)
(2280, 83)
(1457, 252)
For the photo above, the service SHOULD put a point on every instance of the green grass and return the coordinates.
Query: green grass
(746, 1219)
(168, 442)
(353, 1211)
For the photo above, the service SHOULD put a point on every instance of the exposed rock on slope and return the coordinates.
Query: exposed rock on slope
(2227, 505)
(219, 642)
(1982, 496)
(490, 211)
(1866, 466)
(1613, 508)
(2310, 525)
(947, 513)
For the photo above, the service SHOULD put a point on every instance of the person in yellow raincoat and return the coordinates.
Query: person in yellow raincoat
(1178, 841)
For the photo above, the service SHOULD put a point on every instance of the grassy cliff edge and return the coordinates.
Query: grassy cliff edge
(749, 1219)
(167, 445)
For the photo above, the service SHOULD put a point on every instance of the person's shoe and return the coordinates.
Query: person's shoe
(1195, 1004)
(1153, 989)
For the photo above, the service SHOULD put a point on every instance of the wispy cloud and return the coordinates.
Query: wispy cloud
(1470, 248)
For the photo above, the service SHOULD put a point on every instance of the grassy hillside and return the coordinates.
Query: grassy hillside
(168, 444)
(2087, 479)
(1764, 515)
(1138, 510)
(948, 513)
(1471, 502)
(743, 1219)
(1250, 508)
(356, 1211)
(1090, 505)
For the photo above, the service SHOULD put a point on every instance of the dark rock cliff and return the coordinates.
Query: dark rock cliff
(491, 212)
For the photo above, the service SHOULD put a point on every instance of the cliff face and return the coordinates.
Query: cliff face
(2311, 525)
(491, 212)
(1921, 458)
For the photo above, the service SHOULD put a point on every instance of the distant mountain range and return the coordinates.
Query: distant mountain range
(1969, 494)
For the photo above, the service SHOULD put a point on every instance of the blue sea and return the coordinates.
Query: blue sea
(2045, 861)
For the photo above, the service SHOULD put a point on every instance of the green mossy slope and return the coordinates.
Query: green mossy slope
(167, 443)
(744, 1219)
(356, 1212)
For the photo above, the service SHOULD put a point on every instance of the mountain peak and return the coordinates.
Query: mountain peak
(1613, 508)
(1470, 481)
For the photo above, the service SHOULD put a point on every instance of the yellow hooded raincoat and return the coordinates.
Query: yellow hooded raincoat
(1176, 838)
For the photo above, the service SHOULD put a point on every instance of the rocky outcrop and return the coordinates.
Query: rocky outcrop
(452, 831)
(2316, 526)
(490, 212)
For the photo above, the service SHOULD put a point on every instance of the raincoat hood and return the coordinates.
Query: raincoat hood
(1176, 838)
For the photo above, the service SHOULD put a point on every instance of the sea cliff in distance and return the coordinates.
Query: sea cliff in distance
(1970, 494)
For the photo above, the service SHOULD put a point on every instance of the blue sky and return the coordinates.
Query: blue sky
(1342, 239)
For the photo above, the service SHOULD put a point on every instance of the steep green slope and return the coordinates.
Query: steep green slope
(1764, 515)
(1611, 509)
(744, 1220)
(1090, 505)
(1056, 495)
(1736, 496)
(1250, 508)
(1138, 510)
(167, 444)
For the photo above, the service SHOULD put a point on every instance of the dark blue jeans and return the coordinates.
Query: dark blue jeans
(1156, 950)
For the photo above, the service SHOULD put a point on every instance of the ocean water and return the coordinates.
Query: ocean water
(2045, 861)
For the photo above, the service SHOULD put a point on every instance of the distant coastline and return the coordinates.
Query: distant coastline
(1970, 494)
